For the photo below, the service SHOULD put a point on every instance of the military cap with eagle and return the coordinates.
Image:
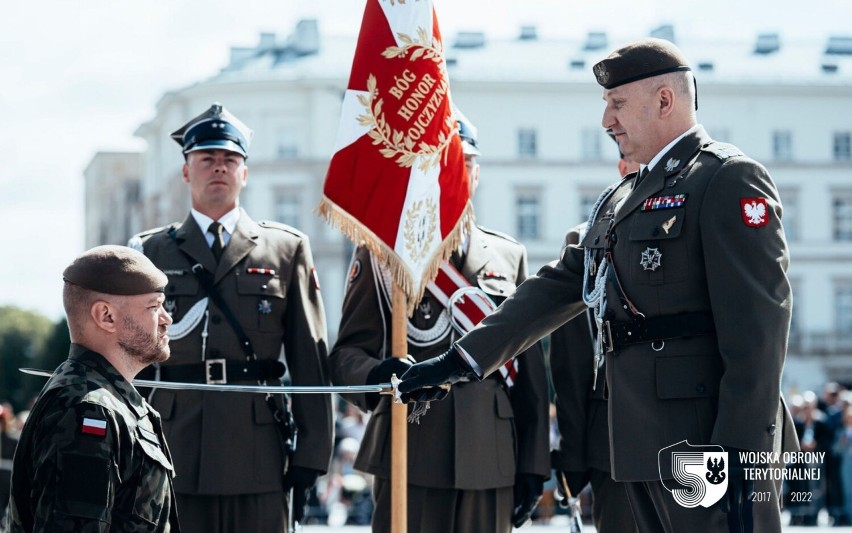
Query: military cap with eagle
(639, 60)
(215, 129)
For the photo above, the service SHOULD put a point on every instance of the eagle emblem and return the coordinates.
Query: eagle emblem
(754, 211)
(716, 470)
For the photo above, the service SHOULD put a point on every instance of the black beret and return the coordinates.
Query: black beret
(639, 60)
(115, 270)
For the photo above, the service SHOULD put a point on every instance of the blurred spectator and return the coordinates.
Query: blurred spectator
(8, 443)
(815, 435)
(348, 494)
(843, 449)
(352, 424)
(833, 407)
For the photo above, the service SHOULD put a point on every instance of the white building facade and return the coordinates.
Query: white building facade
(545, 155)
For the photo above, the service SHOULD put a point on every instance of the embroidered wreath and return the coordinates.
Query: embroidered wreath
(395, 143)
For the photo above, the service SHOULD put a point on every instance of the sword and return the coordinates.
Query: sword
(381, 388)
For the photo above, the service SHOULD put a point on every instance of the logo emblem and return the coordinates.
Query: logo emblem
(601, 73)
(754, 211)
(695, 475)
(651, 258)
(672, 164)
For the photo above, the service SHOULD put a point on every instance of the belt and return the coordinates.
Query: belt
(656, 330)
(216, 371)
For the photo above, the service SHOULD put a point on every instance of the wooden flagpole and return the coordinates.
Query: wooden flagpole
(399, 412)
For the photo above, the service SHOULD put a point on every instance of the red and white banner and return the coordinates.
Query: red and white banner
(397, 182)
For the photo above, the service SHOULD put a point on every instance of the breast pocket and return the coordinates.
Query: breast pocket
(181, 293)
(657, 251)
(497, 289)
(261, 296)
(154, 478)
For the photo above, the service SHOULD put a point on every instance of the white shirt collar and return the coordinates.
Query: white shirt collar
(228, 220)
(662, 152)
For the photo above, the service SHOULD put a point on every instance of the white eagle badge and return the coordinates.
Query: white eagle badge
(755, 212)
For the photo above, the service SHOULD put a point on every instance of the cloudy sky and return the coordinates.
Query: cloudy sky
(79, 77)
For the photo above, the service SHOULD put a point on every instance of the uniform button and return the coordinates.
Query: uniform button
(701, 389)
(771, 429)
(216, 319)
(613, 238)
(597, 239)
(264, 287)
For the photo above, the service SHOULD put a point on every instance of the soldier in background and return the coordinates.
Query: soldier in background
(477, 461)
(92, 456)
(581, 411)
(239, 292)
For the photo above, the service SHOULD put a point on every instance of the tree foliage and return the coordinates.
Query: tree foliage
(27, 339)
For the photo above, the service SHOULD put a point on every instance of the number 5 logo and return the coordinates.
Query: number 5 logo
(695, 475)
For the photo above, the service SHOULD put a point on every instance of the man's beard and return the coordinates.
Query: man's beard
(142, 346)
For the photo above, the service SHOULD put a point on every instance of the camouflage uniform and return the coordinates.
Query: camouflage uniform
(72, 474)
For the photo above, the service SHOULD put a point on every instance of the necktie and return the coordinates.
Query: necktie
(218, 243)
(642, 175)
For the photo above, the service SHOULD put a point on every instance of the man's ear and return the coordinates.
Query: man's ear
(103, 315)
(666, 98)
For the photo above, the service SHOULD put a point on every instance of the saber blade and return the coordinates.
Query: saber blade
(386, 388)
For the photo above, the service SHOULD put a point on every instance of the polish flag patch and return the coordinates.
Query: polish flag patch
(92, 426)
(755, 212)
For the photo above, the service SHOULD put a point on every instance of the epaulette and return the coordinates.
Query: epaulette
(498, 234)
(722, 150)
(280, 226)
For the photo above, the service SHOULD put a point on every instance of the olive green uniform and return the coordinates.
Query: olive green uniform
(464, 453)
(227, 449)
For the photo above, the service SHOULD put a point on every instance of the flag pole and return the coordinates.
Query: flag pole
(399, 412)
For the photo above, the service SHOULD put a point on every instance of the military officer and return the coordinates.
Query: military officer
(92, 455)
(239, 291)
(685, 266)
(466, 471)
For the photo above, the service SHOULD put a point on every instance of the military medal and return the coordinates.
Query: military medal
(651, 258)
(264, 307)
(264, 271)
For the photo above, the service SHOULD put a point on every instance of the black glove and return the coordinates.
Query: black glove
(301, 480)
(382, 372)
(576, 482)
(421, 383)
(739, 488)
(528, 489)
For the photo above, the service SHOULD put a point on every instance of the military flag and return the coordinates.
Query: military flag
(397, 182)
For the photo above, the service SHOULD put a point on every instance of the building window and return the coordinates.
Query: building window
(287, 143)
(528, 209)
(842, 207)
(527, 146)
(843, 307)
(591, 144)
(288, 206)
(790, 216)
(782, 145)
(842, 146)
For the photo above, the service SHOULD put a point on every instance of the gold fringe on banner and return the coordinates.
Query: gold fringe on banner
(361, 235)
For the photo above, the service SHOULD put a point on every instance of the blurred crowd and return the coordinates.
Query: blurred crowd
(824, 425)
